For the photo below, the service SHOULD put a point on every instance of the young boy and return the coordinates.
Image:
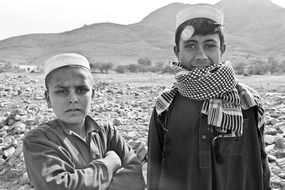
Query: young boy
(206, 132)
(73, 151)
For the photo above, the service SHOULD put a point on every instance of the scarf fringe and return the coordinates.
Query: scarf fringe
(223, 116)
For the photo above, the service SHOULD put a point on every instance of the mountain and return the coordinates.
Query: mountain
(253, 28)
(258, 21)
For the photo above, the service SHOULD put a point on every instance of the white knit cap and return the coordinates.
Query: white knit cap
(65, 59)
(199, 11)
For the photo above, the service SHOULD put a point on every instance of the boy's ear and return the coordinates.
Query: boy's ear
(93, 93)
(176, 51)
(47, 99)
(223, 48)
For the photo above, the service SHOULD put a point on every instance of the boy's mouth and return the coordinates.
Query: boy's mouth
(73, 110)
(201, 64)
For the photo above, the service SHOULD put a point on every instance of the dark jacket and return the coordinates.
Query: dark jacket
(183, 154)
(57, 158)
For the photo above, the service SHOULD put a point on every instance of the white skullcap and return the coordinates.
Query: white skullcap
(200, 11)
(65, 59)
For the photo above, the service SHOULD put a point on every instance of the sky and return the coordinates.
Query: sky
(19, 17)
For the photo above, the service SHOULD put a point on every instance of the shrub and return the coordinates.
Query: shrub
(156, 67)
(275, 66)
(167, 69)
(240, 68)
(6, 67)
(144, 61)
(259, 67)
(121, 69)
(134, 68)
(103, 67)
(282, 66)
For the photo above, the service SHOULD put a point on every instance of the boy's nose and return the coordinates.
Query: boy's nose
(72, 98)
(200, 55)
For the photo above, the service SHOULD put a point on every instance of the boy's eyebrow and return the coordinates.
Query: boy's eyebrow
(60, 86)
(190, 40)
(81, 85)
(195, 41)
(76, 86)
(211, 40)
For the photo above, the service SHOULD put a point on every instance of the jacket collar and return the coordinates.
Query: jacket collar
(90, 125)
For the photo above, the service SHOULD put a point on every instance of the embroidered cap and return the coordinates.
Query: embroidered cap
(65, 59)
(200, 11)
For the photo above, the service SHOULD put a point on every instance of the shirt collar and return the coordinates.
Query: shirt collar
(90, 125)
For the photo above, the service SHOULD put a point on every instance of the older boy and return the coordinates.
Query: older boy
(73, 151)
(206, 132)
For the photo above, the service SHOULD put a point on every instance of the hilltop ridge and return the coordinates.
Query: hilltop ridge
(251, 28)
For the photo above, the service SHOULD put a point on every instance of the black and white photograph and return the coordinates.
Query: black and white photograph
(142, 95)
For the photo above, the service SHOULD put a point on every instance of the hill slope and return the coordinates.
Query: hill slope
(251, 28)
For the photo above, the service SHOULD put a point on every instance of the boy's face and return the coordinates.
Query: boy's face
(199, 51)
(70, 93)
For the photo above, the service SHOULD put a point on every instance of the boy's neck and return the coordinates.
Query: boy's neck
(78, 128)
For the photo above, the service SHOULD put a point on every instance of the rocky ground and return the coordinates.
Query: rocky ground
(126, 101)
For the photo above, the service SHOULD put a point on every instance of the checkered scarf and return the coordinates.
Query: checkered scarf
(220, 91)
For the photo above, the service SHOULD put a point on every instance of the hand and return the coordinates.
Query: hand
(139, 149)
(114, 158)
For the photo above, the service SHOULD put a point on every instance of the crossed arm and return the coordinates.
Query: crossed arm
(49, 166)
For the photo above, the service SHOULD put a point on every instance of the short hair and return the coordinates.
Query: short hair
(202, 26)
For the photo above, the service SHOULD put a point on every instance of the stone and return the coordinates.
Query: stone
(271, 121)
(121, 92)
(281, 162)
(282, 175)
(3, 134)
(17, 117)
(281, 117)
(139, 149)
(279, 124)
(11, 121)
(8, 152)
(117, 122)
(281, 129)
(20, 128)
(26, 187)
(279, 143)
(270, 131)
(25, 179)
(280, 153)
(10, 140)
(275, 183)
(5, 128)
(271, 158)
(136, 93)
(269, 139)
(131, 134)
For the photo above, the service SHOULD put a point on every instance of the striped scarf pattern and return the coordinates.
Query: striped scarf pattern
(218, 88)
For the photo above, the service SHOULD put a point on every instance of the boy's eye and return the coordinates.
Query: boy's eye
(60, 91)
(82, 90)
(210, 46)
(192, 46)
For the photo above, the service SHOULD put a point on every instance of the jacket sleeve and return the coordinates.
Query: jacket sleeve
(155, 147)
(129, 176)
(266, 171)
(49, 167)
